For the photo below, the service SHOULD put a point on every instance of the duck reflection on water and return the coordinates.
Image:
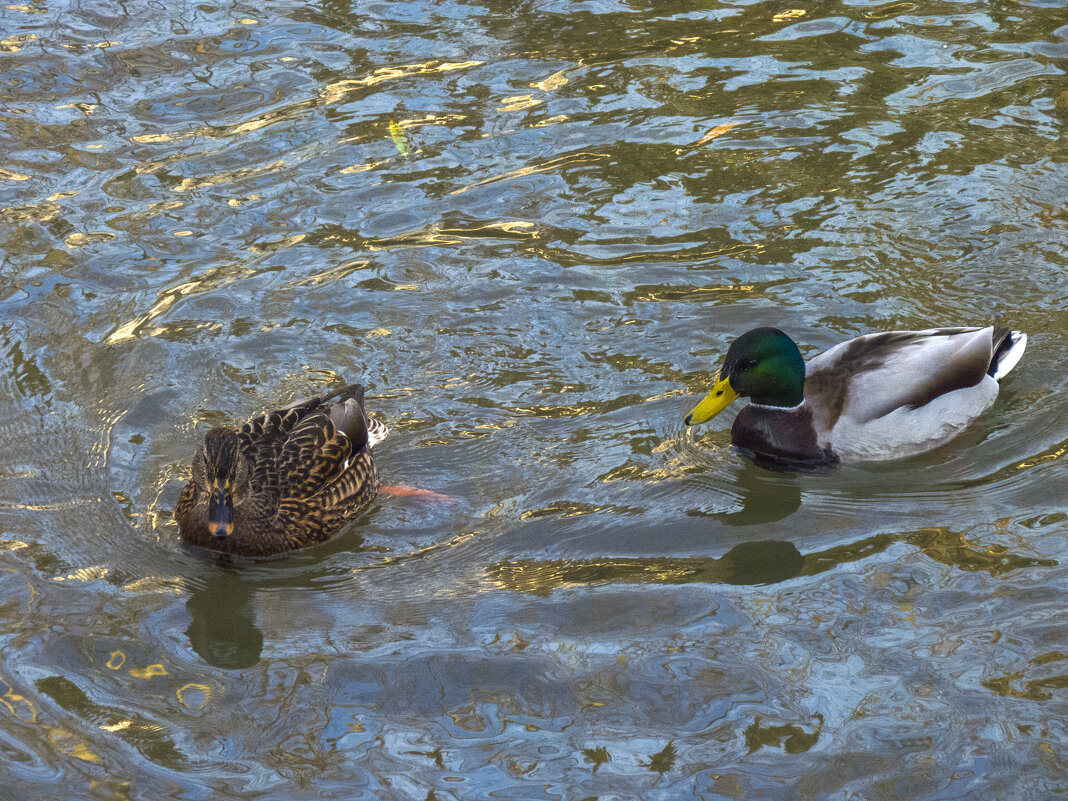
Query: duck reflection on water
(223, 630)
(749, 563)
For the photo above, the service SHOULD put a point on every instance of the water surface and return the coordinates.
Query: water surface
(531, 230)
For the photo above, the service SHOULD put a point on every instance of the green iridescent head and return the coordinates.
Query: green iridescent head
(763, 365)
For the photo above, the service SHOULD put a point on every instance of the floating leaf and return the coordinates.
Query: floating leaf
(400, 141)
(790, 13)
(719, 130)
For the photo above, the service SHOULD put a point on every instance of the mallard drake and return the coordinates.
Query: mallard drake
(879, 396)
(286, 479)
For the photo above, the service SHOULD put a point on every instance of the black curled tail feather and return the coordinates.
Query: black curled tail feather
(1001, 345)
(1008, 347)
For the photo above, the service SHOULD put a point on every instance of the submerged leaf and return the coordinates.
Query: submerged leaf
(400, 141)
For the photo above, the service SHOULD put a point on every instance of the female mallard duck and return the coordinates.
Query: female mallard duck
(879, 396)
(286, 479)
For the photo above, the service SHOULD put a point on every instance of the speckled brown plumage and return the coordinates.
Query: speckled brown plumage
(295, 475)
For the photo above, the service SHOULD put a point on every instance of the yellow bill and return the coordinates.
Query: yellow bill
(716, 401)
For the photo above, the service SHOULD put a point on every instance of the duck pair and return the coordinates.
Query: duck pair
(295, 476)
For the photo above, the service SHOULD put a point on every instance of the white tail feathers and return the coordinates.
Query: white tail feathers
(376, 432)
(1012, 356)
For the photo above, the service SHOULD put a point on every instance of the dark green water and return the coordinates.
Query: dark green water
(205, 212)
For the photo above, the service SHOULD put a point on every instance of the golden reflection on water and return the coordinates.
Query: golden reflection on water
(554, 81)
(71, 743)
(17, 704)
(34, 212)
(62, 739)
(81, 239)
(51, 507)
(332, 93)
(549, 165)
(198, 695)
(364, 167)
(245, 139)
(336, 91)
(228, 176)
(148, 671)
(699, 254)
(518, 103)
(335, 273)
(13, 44)
(85, 574)
(1050, 455)
(684, 292)
(567, 509)
(166, 299)
(1032, 690)
(10, 175)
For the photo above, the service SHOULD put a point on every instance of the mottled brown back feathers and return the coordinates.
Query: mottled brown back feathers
(312, 471)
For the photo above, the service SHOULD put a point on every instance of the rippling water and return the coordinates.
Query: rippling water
(531, 229)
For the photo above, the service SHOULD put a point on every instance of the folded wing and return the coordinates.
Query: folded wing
(871, 376)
